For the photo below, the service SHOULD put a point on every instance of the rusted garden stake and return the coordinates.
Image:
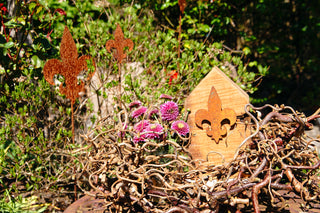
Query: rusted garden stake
(119, 43)
(70, 67)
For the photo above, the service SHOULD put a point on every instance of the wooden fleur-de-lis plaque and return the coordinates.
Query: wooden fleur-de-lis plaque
(214, 107)
(214, 116)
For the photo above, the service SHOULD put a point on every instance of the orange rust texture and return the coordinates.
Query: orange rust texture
(70, 67)
(119, 43)
(215, 116)
(182, 5)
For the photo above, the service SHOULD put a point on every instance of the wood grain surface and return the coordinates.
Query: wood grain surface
(232, 96)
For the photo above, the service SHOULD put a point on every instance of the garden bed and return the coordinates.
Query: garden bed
(274, 170)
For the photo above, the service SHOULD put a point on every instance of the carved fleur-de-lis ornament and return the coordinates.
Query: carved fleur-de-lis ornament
(70, 67)
(215, 117)
(119, 43)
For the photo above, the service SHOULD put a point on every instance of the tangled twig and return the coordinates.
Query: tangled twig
(161, 176)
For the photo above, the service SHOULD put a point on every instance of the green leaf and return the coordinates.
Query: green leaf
(246, 50)
(168, 4)
(39, 9)
(204, 28)
(12, 24)
(304, 29)
(32, 5)
(36, 61)
(7, 45)
(21, 20)
(253, 63)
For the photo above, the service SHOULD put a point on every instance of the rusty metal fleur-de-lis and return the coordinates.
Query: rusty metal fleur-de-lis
(182, 5)
(119, 43)
(215, 116)
(70, 67)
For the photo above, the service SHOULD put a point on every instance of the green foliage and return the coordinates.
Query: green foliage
(202, 23)
(33, 125)
(30, 139)
(20, 205)
(284, 35)
(202, 19)
(24, 41)
(280, 35)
